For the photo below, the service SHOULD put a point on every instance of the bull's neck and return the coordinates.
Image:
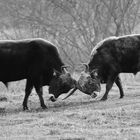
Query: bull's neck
(93, 66)
(58, 66)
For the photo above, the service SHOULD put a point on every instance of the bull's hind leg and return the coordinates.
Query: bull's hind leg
(109, 85)
(28, 89)
(118, 83)
(39, 90)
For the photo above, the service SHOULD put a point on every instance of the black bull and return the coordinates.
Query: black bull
(111, 57)
(34, 60)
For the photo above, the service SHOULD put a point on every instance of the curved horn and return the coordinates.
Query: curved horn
(70, 93)
(86, 67)
(63, 68)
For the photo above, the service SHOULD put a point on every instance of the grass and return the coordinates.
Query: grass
(77, 118)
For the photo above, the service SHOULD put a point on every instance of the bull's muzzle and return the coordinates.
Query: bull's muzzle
(94, 94)
(52, 98)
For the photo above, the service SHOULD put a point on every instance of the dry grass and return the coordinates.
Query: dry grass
(77, 118)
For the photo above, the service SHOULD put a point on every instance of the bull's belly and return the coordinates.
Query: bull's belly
(10, 75)
(15, 76)
(129, 69)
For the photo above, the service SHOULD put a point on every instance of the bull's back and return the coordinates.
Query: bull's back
(18, 58)
(125, 52)
(121, 54)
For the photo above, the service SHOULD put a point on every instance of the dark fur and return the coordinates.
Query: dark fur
(113, 56)
(61, 84)
(32, 59)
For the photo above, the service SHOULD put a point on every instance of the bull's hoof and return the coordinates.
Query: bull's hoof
(25, 108)
(121, 97)
(103, 98)
(44, 107)
(52, 99)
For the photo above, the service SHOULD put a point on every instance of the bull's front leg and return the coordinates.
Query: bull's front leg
(39, 90)
(28, 89)
(40, 95)
(109, 84)
(118, 83)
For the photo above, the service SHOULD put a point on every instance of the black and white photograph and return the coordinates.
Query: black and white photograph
(69, 69)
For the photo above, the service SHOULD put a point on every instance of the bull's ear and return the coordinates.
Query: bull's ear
(94, 73)
(68, 74)
(56, 73)
(86, 67)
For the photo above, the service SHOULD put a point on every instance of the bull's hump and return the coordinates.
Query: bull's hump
(27, 41)
(129, 40)
(94, 50)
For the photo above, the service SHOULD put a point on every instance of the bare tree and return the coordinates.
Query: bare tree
(74, 26)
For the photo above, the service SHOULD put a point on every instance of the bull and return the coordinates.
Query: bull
(109, 58)
(35, 60)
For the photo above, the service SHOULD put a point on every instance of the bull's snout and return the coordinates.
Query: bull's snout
(52, 98)
(94, 95)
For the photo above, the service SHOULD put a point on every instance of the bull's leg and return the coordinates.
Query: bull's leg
(118, 83)
(28, 89)
(109, 85)
(39, 90)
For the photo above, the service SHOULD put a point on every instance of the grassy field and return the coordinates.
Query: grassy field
(77, 118)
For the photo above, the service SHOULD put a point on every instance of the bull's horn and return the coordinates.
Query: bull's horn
(70, 93)
(57, 73)
(86, 67)
(63, 68)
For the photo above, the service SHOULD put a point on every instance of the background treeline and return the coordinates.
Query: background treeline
(74, 26)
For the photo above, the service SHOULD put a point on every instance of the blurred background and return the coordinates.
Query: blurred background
(74, 26)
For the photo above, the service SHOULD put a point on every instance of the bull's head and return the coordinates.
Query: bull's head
(61, 83)
(89, 83)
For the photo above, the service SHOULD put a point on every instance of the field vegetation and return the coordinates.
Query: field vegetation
(75, 27)
(78, 118)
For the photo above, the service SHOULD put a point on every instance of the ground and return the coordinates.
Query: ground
(77, 118)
